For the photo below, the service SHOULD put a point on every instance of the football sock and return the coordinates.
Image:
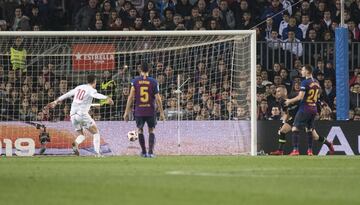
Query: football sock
(142, 143)
(151, 142)
(97, 143)
(295, 138)
(80, 139)
(324, 141)
(310, 139)
(282, 140)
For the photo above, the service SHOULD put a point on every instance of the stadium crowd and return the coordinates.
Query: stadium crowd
(305, 21)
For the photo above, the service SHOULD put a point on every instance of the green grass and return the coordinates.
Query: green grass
(180, 180)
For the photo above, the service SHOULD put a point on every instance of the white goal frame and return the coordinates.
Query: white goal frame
(252, 33)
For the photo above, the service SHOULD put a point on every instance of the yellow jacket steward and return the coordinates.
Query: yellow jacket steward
(107, 88)
(18, 59)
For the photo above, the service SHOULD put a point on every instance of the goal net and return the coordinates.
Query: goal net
(206, 82)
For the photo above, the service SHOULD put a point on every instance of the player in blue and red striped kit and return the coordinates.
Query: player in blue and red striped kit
(305, 116)
(145, 92)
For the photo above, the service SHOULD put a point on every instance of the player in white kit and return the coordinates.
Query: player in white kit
(79, 113)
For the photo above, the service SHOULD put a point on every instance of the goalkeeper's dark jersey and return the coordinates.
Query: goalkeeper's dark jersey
(291, 110)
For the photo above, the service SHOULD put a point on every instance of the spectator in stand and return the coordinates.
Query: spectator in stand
(247, 22)
(328, 36)
(117, 25)
(292, 27)
(216, 15)
(162, 5)
(149, 6)
(336, 12)
(241, 114)
(271, 99)
(355, 77)
(275, 71)
(295, 88)
(36, 18)
(260, 88)
(106, 13)
(213, 24)
(124, 10)
(98, 17)
(183, 7)
(312, 36)
(2, 74)
(329, 92)
(326, 20)
(273, 9)
(239, 8)
(148, 19)
(351, 115)
(329, 71)
(268, 28)
(13, 103)
(189, 111)
(319, 10)
(275, 113)
(305, 22)
(169, 19)
(355, 96)
(227, 15)
(24, 111)
(293, 45)
(26, 7)
(284, 23)
(132, 14)
(199, 24)
(204, 12)
(287, 6)
(265, 77)
(284, 74)
(171, 111)
(216, 113)
(355, 10)
(263, 110)
(118, 5)
(138, 24)
(155, 24)
(275, 45)
(277, 80)
(354, 30)
(84, 16)
(326, 113)
(20, 22)
(3, 25)
(320, 77)
(99, 25)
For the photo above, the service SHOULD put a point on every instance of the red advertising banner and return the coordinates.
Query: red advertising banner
(93, 57)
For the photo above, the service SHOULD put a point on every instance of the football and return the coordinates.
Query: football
(132, 135)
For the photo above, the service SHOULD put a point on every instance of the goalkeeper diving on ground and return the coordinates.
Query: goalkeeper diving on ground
(79, 113)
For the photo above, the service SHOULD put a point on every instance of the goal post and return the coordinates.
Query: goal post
(216, 104)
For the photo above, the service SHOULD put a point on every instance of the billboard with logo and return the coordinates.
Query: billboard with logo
(93, 57)
(344, 134)
(197, 138)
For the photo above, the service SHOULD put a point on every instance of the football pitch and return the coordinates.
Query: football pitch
(180, 180)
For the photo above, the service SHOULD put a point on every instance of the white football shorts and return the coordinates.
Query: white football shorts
(80, 121)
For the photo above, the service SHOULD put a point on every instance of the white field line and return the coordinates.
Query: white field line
(266, 172)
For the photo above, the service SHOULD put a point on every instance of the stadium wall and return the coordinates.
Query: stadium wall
(197, 137)
(346, 137)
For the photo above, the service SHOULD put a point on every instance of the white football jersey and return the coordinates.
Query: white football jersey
(83, 97)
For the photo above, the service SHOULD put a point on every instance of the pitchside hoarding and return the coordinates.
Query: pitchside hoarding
(344, 134)
(196, 138)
